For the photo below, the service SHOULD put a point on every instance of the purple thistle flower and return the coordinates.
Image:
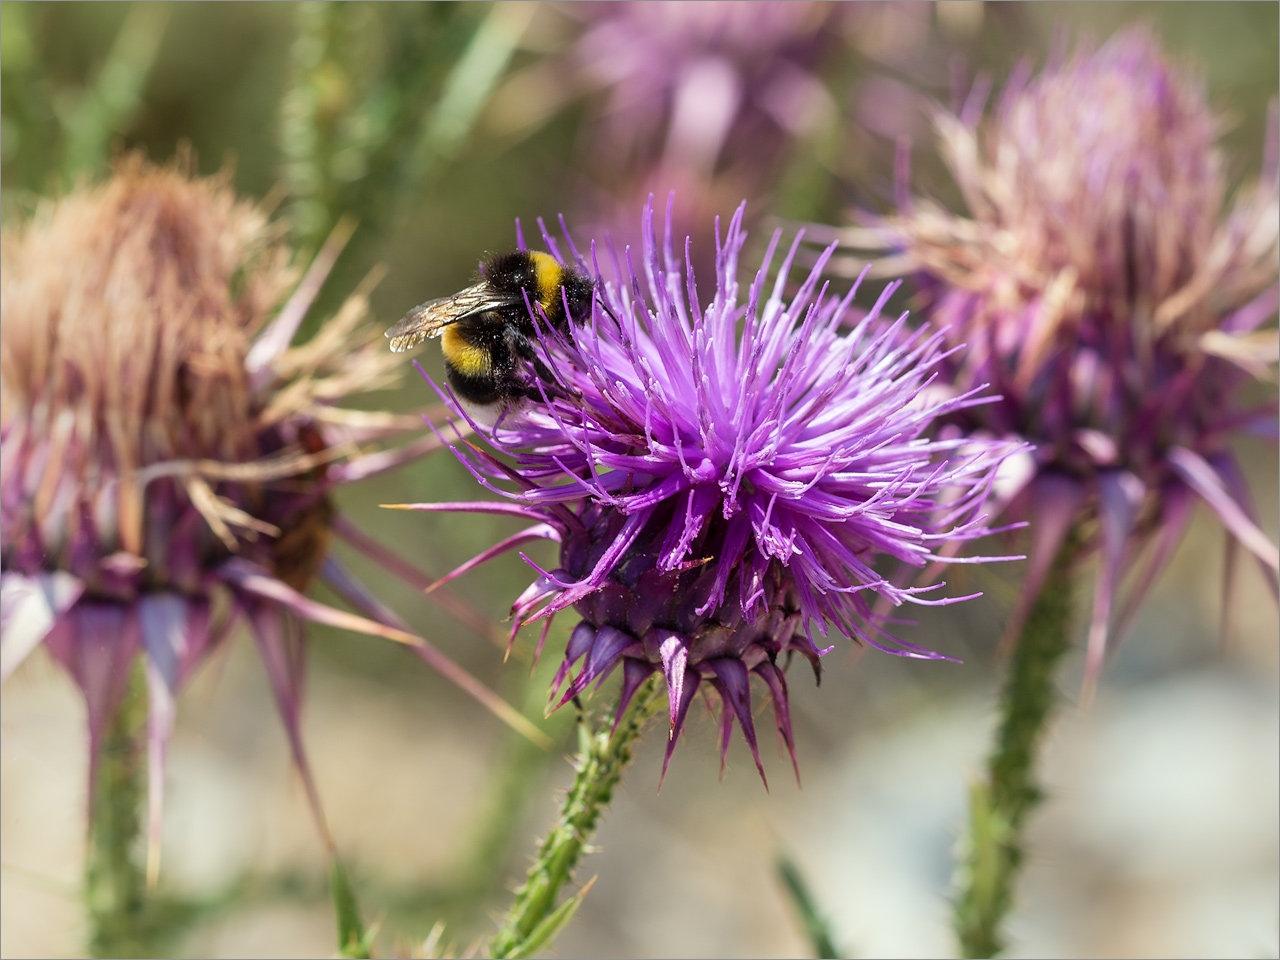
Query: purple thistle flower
(721, 475)
(700, 99)
(685, 81)
(1107, 300)
(166, 457)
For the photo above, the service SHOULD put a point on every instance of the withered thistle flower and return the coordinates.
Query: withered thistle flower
(721, 474)
(1105, 296)
(167, 455)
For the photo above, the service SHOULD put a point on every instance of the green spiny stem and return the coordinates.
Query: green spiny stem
(999, 804)
(600, 762)
(114, 883)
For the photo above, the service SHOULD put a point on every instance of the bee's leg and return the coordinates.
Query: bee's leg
(547, 389)
(521, 345)
(544, 374)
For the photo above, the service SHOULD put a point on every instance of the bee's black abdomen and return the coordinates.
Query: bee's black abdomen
(481, 391)
(478, 358)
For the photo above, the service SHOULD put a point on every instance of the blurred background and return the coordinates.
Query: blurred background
(437, 125)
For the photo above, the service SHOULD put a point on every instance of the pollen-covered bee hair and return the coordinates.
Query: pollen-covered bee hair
(486, 330)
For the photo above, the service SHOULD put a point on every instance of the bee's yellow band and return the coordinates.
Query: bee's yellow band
(549, 276)
(466, 358)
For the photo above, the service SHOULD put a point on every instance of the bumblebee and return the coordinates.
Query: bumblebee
(486, 330)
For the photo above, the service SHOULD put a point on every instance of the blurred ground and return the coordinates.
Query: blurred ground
(1159, 837)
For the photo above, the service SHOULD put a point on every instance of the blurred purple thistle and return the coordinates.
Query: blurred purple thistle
(1105, 297)
(1102, 295)
(722, 477)
(167, 456)
(705, 100)
(684, 81)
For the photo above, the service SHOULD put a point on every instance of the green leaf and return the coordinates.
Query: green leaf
(550, 926)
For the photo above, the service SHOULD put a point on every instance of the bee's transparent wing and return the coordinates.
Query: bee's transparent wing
(429, 319)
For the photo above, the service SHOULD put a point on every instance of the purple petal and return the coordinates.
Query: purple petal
(1120, 495)
(1254, 313)
(474, 506)
(455, 606)
(275, 339)
(725, 725)
(777, 683)
(29, 607)
(254, 581)
(539, 531)
(533, 594)
(1055, 504)
(96, 643)
(346, 585)
(675, 657)
(1175, 515)
(280, 644)
(735, 686)
(175, 633)
(358, 595)
(1238, 487)
(634, 673)
(580, 641)
(1206, 481)
(687, 687)
(609, 645)
(161, 711)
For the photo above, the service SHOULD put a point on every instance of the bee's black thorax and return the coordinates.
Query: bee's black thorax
(548, 284)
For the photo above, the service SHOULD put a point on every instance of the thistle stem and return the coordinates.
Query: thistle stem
(114, 880)
(534, 918)
(999, 804)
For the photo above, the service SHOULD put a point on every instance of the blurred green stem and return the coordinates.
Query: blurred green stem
(999, 804)
(114, 881)
(354, 942)
(105, 107)
(359, 137)
(816, 927)
(467, 89)
(534, 919)
(304, 142)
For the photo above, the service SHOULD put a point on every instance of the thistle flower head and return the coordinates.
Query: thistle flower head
(1108, 300)
(683, 78)
(721, 470)
(696, 99)
(166, 455)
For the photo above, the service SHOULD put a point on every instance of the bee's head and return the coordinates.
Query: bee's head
(578, 291)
